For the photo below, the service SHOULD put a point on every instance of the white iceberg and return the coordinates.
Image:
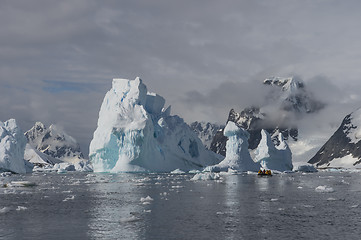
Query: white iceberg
(324, 189)
(206, 176)
(237, 154)
(306, 168)
(273, 157)
(135, 133)
(12, 147)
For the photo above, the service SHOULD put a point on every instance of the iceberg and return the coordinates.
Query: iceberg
(136, 133)
(306, 168)
(12, 148)
(273, 157)
(237, 154)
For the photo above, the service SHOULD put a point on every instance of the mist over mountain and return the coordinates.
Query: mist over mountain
(287, 99)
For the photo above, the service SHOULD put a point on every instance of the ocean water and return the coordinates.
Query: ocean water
(324, 205)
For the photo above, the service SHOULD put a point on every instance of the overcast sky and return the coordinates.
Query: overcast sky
(58, 58)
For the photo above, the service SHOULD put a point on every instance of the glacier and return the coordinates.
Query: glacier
(273, 157)
(12, 148)
(237, 155)
(136, 133)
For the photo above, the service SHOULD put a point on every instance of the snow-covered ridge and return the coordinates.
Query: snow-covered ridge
(352, 127)
(287, 83)
(343, 149)
(205, 131)
(136, 133)
(55, 142)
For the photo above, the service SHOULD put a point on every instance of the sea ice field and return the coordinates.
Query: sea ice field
(323, 205)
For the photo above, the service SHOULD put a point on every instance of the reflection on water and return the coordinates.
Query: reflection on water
(171, 206)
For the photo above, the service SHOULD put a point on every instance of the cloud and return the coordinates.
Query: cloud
(57, 58)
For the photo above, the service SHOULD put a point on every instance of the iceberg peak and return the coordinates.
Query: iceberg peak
(136, 133)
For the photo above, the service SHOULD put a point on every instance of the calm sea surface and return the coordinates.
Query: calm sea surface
(324, 205)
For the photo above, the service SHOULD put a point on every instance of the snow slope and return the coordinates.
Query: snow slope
(205, 131)
(12, 147)
(38, 158)
(343, 149)
(135, 133)
(54, 142)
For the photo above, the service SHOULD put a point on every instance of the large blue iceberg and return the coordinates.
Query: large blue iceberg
(136, 133)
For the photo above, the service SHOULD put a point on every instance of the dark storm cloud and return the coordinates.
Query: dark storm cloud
(57, 58)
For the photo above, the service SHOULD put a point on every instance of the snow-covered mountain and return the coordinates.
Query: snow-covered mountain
(135, 133)
(252, 120)
(205, 131)
(12, 147)
(287, 100)
(54, 142)
(343, 149)
(291, 95)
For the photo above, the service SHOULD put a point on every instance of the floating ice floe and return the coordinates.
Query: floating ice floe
(5, 210)
(306, 168)
(22, 184)
(206, 176)
(21, 208)
(324, 189)
(146, 199)
(177, 171)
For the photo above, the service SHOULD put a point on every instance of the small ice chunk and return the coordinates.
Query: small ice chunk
(22, 184)
(306, 168)
(69, 198)
(21, 208)
(146, 199)
(206, 176)
(331, 199)
(177, 171)
(4, 210)
(130, 219)
(324, 189)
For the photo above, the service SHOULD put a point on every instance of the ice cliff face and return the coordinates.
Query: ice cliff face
(135, 133)
(205, 131)
(12, 147)
(273, 157)
(237, 154)
(54, 142)
(343, 149)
